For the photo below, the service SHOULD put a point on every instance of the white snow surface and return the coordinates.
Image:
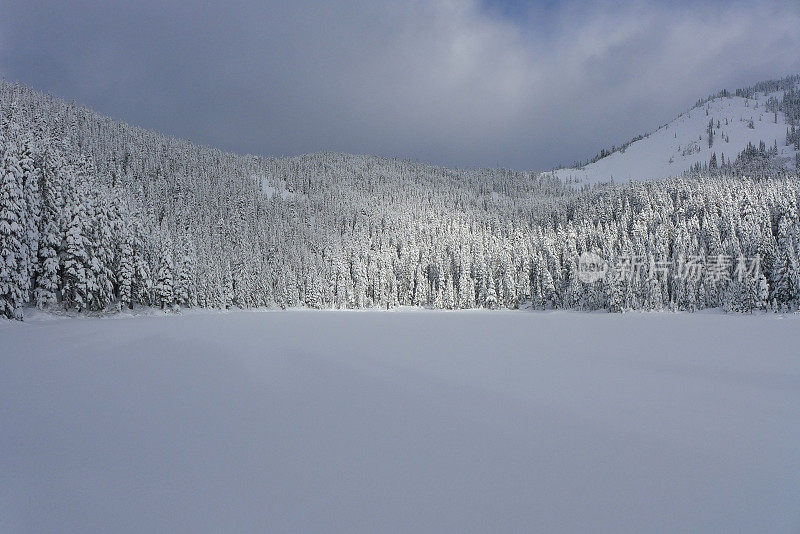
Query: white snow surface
(413, 421)
(272, 190)
(675, 147)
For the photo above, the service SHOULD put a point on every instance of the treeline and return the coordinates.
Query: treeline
(753, 161)
(96, 215)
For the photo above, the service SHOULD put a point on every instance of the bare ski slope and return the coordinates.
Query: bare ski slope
(676, 146)
(401, 422)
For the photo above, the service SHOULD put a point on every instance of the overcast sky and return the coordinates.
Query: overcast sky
(457, 82)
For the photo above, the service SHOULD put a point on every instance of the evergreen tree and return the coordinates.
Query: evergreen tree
(126, 276)
(187, 288)
(47, 276)
(31, 212)
(227, 288)
(448, 297)
(75, 247)
(548, 289)
(13, 277)
(785, 273)
(613, 291)
(164, 284)
(466, 289)
(420, 288)
(102, 257)
(491, 294)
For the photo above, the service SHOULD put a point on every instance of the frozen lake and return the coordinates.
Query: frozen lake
(401, 422)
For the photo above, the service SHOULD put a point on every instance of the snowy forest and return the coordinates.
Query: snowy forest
(98, 216)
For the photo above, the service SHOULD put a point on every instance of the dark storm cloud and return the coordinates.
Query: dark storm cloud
(449, 81)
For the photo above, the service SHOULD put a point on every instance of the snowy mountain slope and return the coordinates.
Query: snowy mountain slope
(677, 146)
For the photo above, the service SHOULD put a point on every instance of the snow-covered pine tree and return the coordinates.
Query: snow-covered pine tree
(75, 259)
(448, 297)
(143, 278)
(102, 257)
(438, 289)
(32, 208)
(612, 286)
(13, 276)
(227, 288)
(524, 291)
(421, 293)
(548, 288)
(491, 294)
(187, 286)
(126, 275)
(466, 288)
(47, 276)
(762, 292)
(313, 297)
(165, 296)
(509, 286)
(785, 272)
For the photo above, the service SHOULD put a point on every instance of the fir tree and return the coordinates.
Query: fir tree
(102, 257)
(164, 284)
(47, 276)
(491, 294)
(75, 255)
(420, 288)
(13, 277)
(126, 276)
(466, 289)
(187, 287)
(31, 212)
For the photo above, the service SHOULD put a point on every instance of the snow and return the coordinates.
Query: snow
(270, 190)
(676, 146)
(414, 421)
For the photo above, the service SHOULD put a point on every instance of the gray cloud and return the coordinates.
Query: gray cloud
(447, 81)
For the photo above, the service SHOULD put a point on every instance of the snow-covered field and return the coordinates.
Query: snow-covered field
(401, 422)
(676, 146)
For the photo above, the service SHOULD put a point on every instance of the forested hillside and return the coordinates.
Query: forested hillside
(98, 215)
(751, 130)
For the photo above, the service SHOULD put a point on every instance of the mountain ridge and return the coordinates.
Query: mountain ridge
(741, 117)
